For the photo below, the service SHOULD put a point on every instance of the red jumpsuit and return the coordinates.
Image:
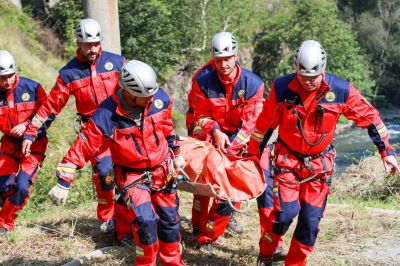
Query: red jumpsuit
(91, 84)
(17, 173)
(303, 156)
(147, 207)
(195, 130)
(233, 107)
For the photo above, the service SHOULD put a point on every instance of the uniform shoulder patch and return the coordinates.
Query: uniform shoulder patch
(25, 97)
(108, 66)
(158, 104)
(330, 96)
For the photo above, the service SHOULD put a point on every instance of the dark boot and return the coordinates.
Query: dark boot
(107, 227)
(264, 260)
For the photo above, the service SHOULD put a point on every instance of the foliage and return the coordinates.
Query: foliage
(166, 33)
(64, 16)
(376, 24)
(290, 23)
(19, 34)
(343, 120)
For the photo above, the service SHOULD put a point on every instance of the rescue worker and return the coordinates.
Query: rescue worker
(91, 77)
(306, 106)
(200, 203)
(136, 123)
(226, 103)
(20, 98)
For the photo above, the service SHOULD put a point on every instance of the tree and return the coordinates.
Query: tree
(293, 21)
(65, 15)
(164, 33)
(377, 26)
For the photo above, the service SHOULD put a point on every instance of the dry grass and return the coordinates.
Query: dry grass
(368, 181)
(349, 236)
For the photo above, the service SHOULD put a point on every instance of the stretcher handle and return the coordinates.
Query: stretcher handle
(238, 210)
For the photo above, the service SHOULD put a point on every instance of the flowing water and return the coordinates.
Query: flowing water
(354, 144)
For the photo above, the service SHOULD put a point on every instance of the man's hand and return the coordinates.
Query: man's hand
(179, 162)
(18, 130)
(58, 194)
(26, 147)
(221, 139)
(390, 160)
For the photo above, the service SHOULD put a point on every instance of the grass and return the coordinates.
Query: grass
(368, 183)
(349, 235)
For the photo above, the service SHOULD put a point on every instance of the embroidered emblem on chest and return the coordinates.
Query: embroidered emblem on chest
(25, 97)
(108, 66)
(158, 104)
(330, 97)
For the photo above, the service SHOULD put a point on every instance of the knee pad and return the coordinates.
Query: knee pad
(19, 196)
(280, 228)
(147, 231)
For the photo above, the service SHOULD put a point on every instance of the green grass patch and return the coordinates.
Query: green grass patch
(389, 203)
(343, 120)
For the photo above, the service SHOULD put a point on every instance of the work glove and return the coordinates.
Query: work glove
(179, 162)
(58, 194)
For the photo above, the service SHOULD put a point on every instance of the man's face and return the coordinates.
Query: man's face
(310, 83)
(225, 65)
(134, 101)
(7, 81)
(90, 50)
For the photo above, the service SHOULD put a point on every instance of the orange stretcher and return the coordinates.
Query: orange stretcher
(210, 172)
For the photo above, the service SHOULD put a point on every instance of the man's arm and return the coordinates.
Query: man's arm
(204, 118)
(53, 105)
(358, 109)
(202, 110)
(251, 111)
(87, 143)
(268, 120)
(35, 128)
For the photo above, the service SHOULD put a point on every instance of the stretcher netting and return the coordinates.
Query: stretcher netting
(215, 174)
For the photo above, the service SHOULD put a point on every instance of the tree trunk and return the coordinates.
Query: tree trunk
(106, 13)
(17, 3)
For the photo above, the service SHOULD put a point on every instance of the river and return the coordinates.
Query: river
(354, 144)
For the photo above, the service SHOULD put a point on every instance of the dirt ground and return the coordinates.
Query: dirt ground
(348, 236)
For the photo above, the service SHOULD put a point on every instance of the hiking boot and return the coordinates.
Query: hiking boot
(107, 227)
(195, 232)
(126, 242)
(207, 249)
(264, 260)
(3, 234)
(234, 226)
(280, 253)
(184, 218)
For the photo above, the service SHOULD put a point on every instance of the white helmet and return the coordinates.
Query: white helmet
(224, 44)
(88, 30)
(7, 63)
(310, 59)
(138, 78)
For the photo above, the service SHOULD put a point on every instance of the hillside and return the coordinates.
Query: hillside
(21, 35)
(351, 232)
